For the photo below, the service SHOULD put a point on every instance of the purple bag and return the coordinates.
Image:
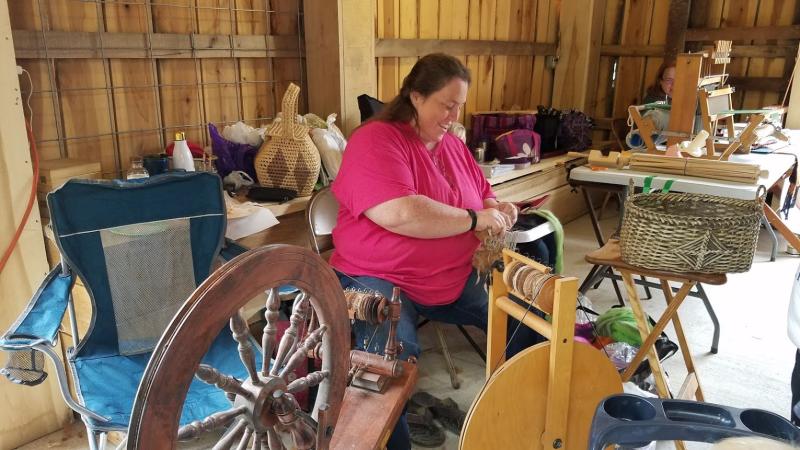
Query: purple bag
(232, 156)
(487, 126)
(519, 147)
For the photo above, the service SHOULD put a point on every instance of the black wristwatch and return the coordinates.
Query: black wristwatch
(474, 217)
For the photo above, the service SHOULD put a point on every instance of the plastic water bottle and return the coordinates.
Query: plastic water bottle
(181, 155)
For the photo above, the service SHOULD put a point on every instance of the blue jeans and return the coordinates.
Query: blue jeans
(470, 308)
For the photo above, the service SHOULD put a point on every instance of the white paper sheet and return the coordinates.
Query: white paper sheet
(260, 219)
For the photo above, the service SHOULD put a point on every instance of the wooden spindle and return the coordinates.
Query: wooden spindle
(231, 436)
(242, 335)
(308, 381)
(216, 420)
(302, 352)
(270, 329)
(299, 310)
(227, 383)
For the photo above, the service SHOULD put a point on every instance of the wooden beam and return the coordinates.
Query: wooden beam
(738, 51)
(677, 24)
(793, 108)
(763, 51)
(743, 33)
(771, 84)
(70, 44)
(632, 50)
(580, 37)
(28, 413)
(340, 42)
(420, 47)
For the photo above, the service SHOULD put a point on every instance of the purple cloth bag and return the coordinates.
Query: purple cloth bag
(232, 156)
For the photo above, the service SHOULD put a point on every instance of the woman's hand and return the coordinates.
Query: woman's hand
(508, 209)
(493, 220)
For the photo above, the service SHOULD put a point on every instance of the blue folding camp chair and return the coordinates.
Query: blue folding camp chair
(140, 248)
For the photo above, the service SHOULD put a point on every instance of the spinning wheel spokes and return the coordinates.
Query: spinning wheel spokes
(264, 412)
(264, 399)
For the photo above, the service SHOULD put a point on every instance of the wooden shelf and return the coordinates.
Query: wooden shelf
(546, 164)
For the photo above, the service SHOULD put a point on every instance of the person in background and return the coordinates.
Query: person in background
(661, 89)
(411, 199)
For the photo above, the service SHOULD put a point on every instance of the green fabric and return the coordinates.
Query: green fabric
(768, 112)
(559, 234)
(665, 106)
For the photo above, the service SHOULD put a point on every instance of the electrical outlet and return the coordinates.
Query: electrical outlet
(19, 70)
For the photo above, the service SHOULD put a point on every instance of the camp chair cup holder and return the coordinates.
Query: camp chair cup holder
(635, 421)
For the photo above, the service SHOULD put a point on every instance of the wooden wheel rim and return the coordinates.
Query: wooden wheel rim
(159, 401)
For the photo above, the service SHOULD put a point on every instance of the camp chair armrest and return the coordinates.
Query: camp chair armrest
(231, 249)
(40, 321)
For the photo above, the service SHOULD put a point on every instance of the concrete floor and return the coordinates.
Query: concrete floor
(752, 368)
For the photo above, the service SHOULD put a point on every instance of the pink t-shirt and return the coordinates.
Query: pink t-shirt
(384, 161)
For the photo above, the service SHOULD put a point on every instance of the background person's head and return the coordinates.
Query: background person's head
(432, 96)
(665, 79)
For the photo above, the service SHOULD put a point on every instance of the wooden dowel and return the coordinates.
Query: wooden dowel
(530, 319)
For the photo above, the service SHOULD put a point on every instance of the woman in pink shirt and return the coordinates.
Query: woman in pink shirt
(411, 199)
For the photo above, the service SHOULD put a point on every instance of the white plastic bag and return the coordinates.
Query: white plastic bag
(331, 143)
(242, 133)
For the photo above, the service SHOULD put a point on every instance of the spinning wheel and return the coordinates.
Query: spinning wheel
(546, 395)
(263, 408)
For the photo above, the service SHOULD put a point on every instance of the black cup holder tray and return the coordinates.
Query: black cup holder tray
(635, 421)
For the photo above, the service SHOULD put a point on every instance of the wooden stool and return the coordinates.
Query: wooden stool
(609, 255)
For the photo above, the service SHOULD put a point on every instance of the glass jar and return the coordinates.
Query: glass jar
(137, 170)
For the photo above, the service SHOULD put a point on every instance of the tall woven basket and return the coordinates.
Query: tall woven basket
(289, 159)
(690, 232)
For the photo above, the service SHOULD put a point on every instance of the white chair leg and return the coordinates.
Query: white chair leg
(448, 358)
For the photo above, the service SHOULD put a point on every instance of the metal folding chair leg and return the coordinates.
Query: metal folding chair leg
(472, 342)
(713, 315)
(451, 368)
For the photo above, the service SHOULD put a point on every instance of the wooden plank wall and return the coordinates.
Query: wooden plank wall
(634, 35)
(498, 81)
(632, 48)
(109, 109)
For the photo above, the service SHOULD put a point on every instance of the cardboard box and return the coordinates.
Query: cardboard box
(55, 172)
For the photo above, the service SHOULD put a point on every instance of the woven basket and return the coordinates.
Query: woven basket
(289, 159)
(690, 232)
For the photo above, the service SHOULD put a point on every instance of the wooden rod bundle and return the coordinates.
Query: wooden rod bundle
(698, 167)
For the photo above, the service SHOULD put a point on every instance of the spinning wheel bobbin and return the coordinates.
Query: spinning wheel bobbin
(530, 284)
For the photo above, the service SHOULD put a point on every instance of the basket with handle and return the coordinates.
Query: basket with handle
(289, 159)
(681, 232)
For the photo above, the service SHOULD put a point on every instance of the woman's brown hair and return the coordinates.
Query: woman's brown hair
(655, 88)
(431, 73)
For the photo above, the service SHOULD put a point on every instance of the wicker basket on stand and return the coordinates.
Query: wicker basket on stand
(690, 232)
(289, 159)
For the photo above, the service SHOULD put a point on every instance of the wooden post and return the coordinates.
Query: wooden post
(676, 27)
(684, 95)
(28, 413)
(579, 54)
(793, 112)
(340, 57)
